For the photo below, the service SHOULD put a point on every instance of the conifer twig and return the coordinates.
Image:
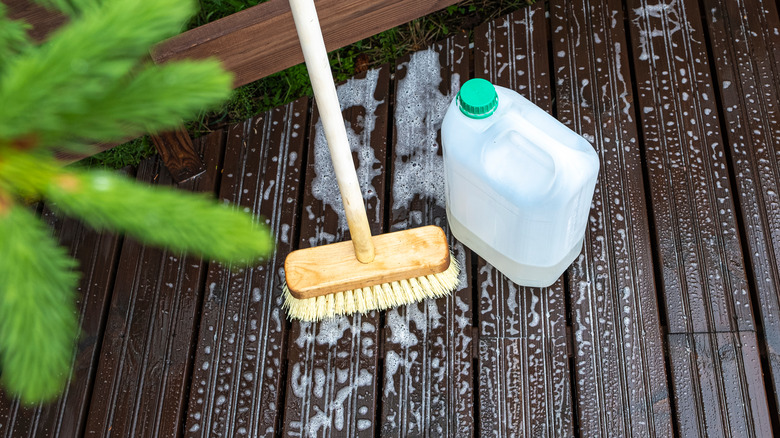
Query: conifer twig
(67, 7)
(161, 216)
(86, 62)
(38, 324)
(13, 37)
(87, 82)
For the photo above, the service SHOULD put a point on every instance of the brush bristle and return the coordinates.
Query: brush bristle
(379, 297)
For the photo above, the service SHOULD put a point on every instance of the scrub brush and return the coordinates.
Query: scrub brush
(369, 272)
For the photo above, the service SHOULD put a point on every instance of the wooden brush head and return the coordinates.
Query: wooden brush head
(333, 268)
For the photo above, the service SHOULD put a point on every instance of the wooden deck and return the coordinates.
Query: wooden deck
(668, 324)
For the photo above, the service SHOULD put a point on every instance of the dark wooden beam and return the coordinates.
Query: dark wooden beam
(262, 40)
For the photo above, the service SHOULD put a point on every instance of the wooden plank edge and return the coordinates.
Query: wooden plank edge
(251, 29)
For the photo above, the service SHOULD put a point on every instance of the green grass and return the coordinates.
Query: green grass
(290, 84)
(212, 10)
(127, 154)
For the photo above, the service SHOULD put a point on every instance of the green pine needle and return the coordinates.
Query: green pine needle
(13, 37)
(83, 63)
(38, 323)
(161, 216)
(178, 90)
(67, 7)
(91, 81)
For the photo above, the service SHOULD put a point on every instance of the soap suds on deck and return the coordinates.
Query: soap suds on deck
(420, 109)
(354, 93)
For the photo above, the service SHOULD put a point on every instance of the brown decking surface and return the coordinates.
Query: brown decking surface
(668, 324)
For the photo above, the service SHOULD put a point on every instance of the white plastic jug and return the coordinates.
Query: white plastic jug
(519, 183)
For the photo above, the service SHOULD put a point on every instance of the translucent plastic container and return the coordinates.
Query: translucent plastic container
(519, 183)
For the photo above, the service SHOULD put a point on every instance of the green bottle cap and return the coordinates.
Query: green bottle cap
(477, 99)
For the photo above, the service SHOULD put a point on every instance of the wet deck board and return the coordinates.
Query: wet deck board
(427, 383)
(239, 367)
(524, 376)
(144, 367)
(718, 385)
(665, 325)
(747, 67)
(621, 385)
(703, 278)
(97, 253)
(332, 372)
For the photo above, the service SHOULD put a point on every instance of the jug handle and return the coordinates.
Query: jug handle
(510, 123)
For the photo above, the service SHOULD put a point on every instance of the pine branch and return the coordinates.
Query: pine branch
(68, 7)
(161, 216)
(13, 37)
(88, 82)
(38, 323)
(83, 63)
(177, 90)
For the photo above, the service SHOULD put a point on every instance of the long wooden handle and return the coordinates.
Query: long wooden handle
(310, 35)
